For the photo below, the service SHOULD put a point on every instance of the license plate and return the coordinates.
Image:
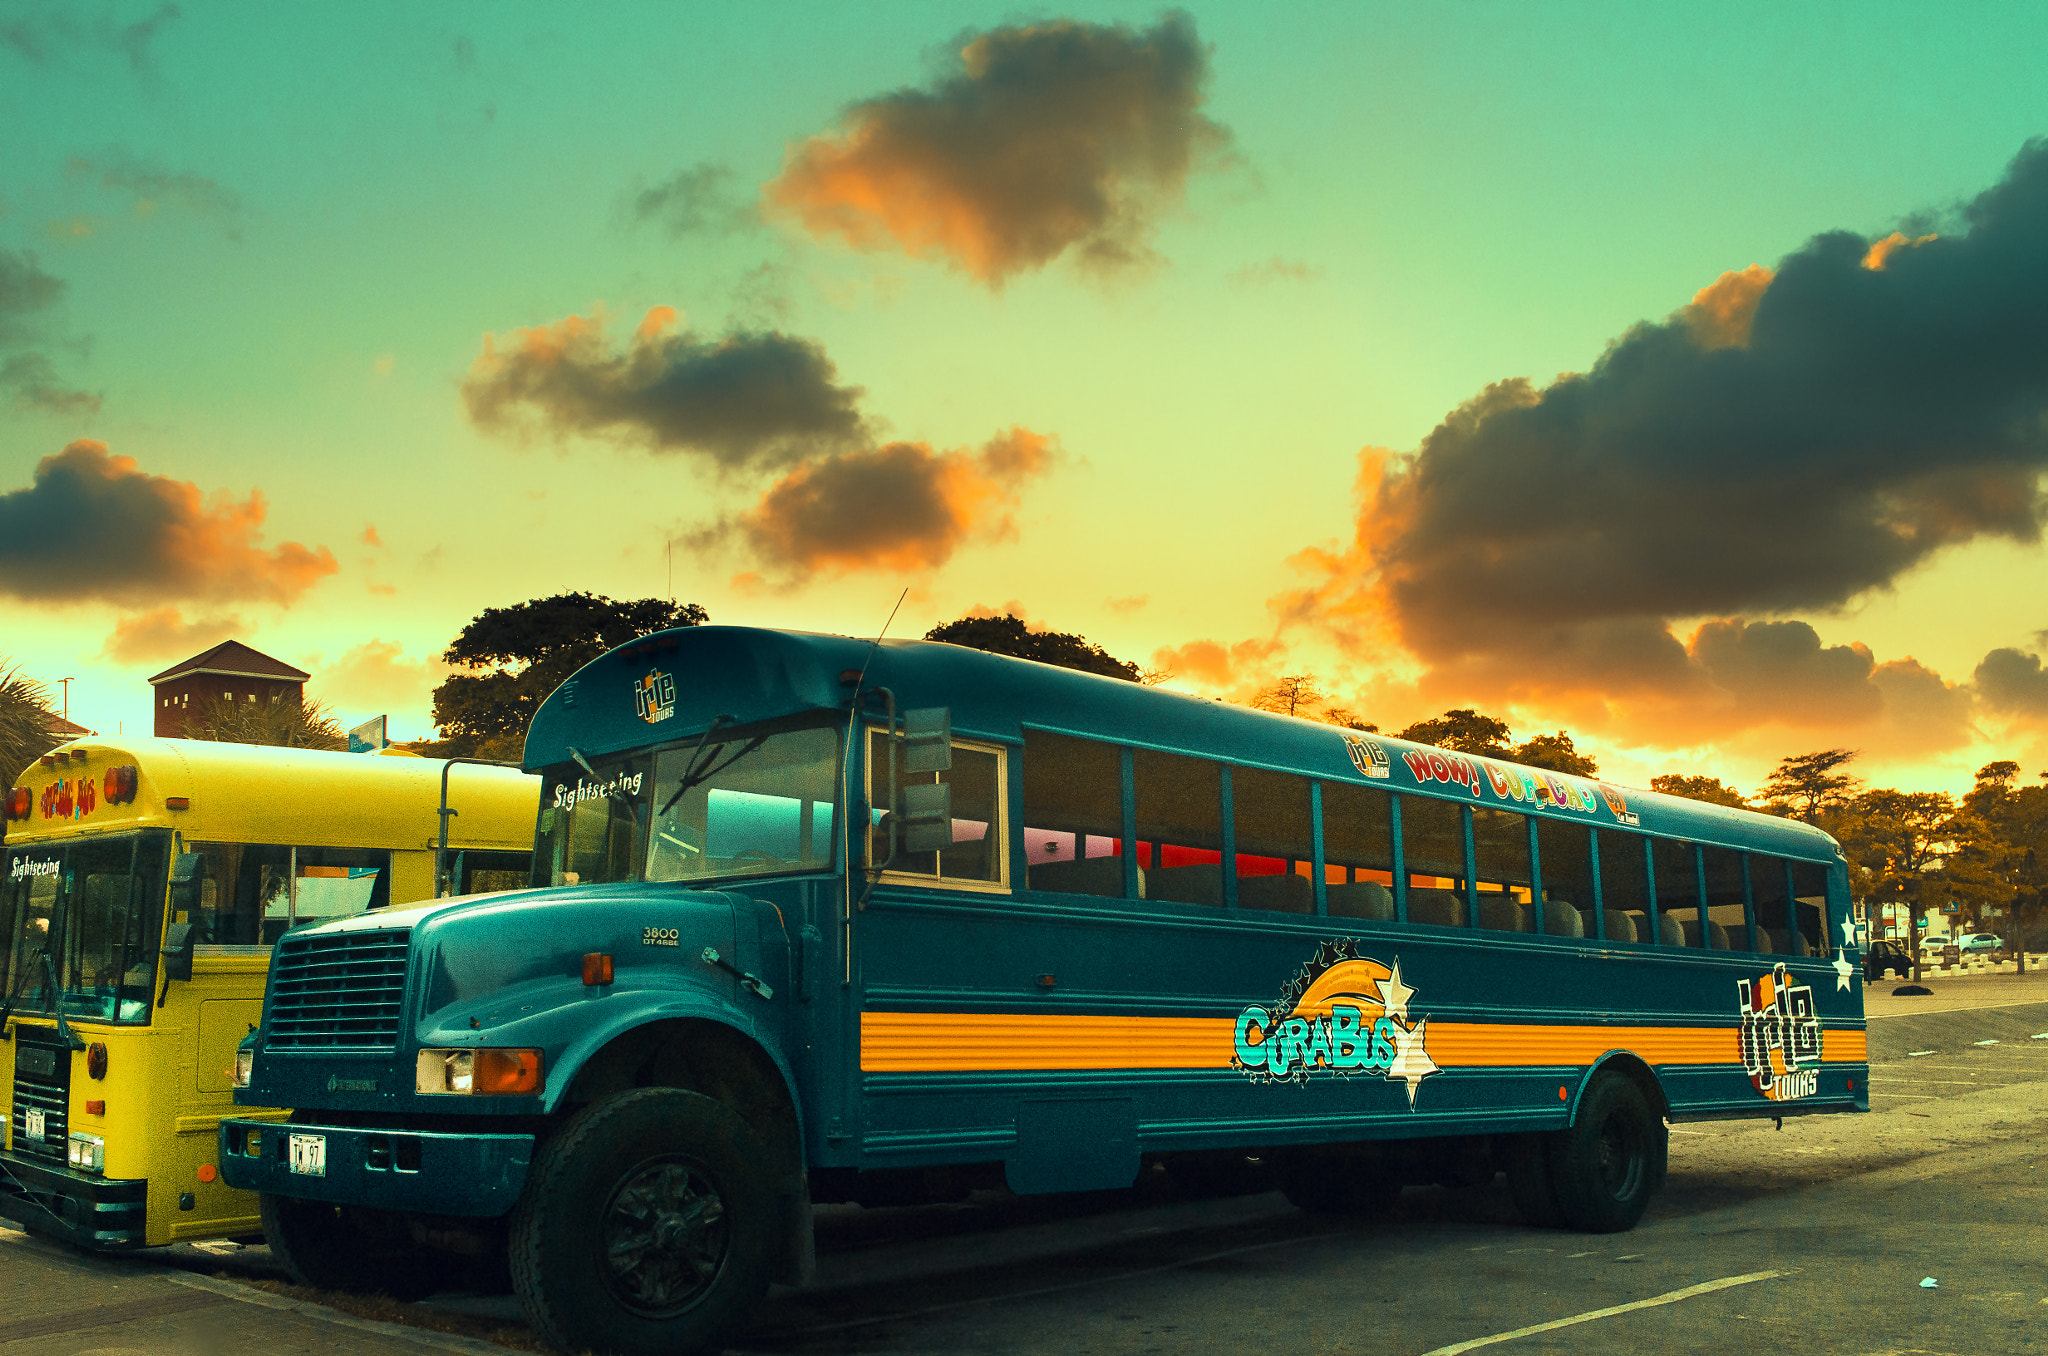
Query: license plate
(309, 1155)
(34, 1128)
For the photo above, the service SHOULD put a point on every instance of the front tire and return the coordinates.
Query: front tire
(648, 1225)
(336, 1247)
(1604, 1168)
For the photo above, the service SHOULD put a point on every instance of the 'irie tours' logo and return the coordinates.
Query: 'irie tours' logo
(1342, 1014)
(654, 696)
(1780, 1036)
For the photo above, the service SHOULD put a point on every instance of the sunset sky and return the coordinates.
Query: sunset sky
(1675, 376)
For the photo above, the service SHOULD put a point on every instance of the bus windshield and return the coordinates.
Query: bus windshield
(740, 805)
(93, 909)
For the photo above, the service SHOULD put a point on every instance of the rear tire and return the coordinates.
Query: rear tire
(335, 1247)
(1605, 1167)
(648, 1225)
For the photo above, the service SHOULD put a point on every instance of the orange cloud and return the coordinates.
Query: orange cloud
(1721, 312)
(377, 675)
(1213, 664)
(749, 400)
(92, 525)
(164, 634)
(900, 507)
(1881, 250)
(1055, 136)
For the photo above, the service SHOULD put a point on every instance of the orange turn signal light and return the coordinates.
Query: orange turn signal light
(597, 968)
(506, 1071)
(95, 1108)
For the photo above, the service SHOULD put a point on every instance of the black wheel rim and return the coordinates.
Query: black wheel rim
(663, 1239)
(1621, 1157)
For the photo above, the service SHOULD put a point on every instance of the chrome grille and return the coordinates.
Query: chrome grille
(42, 1078)
(337, 990)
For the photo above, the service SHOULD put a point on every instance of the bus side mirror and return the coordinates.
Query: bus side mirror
(928, 740)
(927, 821)
(179, 939)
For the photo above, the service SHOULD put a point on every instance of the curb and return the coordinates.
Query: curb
(425, 1337)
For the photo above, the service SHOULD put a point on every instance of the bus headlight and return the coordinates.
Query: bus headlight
(477, 1072)
(86, 1153)
(245, 1066)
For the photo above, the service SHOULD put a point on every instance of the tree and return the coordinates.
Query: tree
(516, 656)
(2018, 821)
(1291, 694)
(1464, 730)
(1919, 849)
(282, 722)
(1347, 718)
(24, 723)
(1556, 753)
(1807, 785)
(1708, 789)
(1008, 635)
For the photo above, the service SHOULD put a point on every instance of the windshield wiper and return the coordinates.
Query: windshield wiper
(42, 962)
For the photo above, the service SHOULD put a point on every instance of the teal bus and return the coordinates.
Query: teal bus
(819, 919)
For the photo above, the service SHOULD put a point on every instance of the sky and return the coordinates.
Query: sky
(1675, 376)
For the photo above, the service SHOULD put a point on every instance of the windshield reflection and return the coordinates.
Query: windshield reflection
(731, 806)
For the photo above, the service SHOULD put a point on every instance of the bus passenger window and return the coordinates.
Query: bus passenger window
(1275, 846)
(1727, 910)
(1773, 905)
(1073, 816)
(1180, 827)
(1500, 851)
(1678, 896)
(1358, 851)
(976, 779)
(1810, 891)
(1624, 887)
(1563, 850)
(1433, 852)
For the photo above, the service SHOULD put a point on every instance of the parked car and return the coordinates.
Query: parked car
(1887, 956)
(1979, 943)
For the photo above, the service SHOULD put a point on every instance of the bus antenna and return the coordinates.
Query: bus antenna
(876, 644)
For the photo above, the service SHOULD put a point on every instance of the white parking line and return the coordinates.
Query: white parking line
(1671, 1297)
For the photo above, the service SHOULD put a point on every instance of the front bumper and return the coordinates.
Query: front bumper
(405, 1170)
(90, 1212)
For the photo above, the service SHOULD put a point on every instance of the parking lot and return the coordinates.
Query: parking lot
(1817, 1235)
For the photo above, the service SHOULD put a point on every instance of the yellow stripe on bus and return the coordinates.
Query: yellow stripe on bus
(977, 1042)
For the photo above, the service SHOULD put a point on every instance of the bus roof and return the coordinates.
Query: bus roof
(253, 793)
(671, 685)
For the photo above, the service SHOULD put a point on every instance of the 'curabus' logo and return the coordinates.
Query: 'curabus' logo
(655, 696)
(1342, 1014)
(1780, 1036)
(1369, 756)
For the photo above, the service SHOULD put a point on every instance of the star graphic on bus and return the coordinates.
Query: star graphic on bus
(1411, 1063)
(1848, 932)
(1843, 968)
(1394, 995)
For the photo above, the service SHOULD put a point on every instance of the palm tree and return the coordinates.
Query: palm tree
(24, 722)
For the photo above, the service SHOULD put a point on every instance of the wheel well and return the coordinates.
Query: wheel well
(1639, 1073)
(702, 1057)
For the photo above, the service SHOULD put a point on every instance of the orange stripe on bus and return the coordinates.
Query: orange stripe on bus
(973, 1042)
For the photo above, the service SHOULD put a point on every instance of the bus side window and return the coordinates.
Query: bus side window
(1564, 852)
(1500, 850)
(489, 873)
(1073, 816)
(339, 883)
(1433, 854)
(1358, 851)
(1773, 904)
(977, 798)
(1180, 827)
(1275, 841)
(1624, 888)
(1727, 899)
(1678, 896)
(1810, 890)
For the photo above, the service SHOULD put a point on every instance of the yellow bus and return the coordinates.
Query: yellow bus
(142, 885)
